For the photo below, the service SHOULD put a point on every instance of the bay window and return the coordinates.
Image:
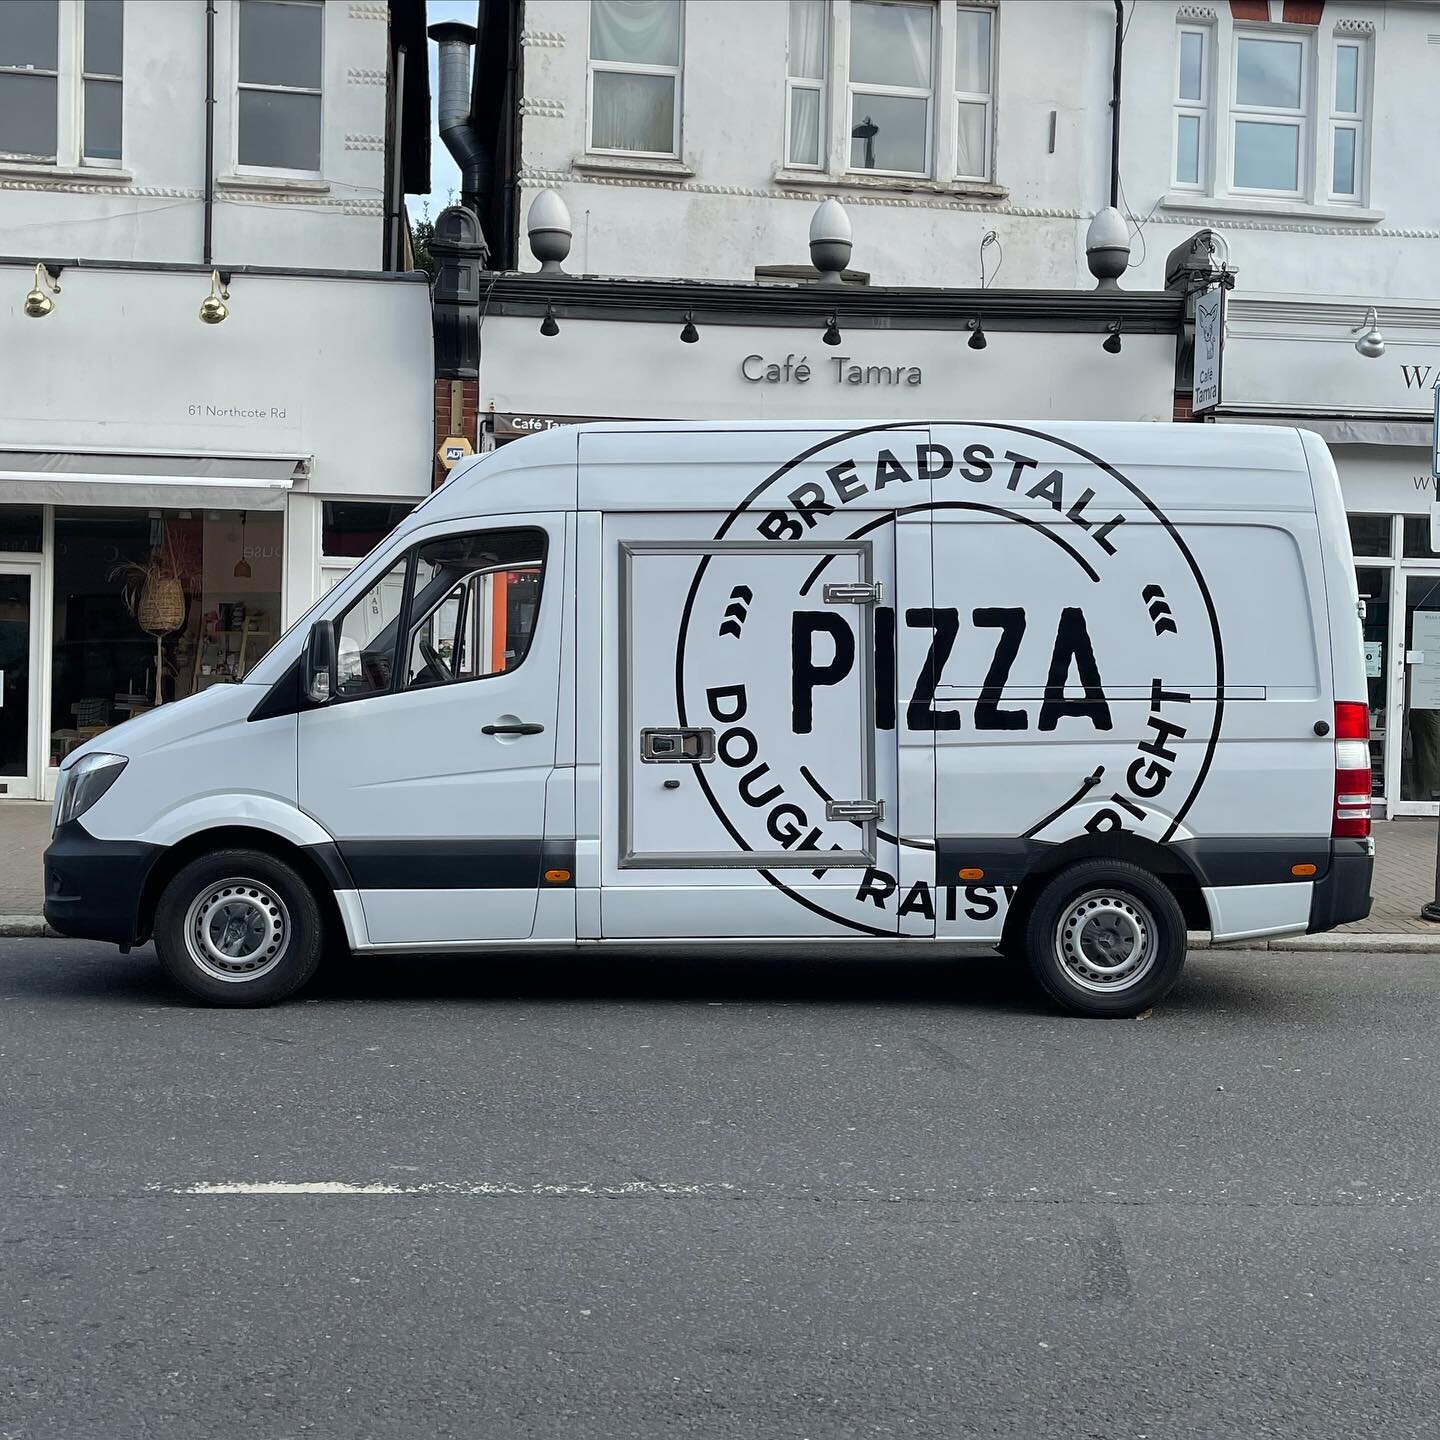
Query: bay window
(634, 77)
(61, 85)
(1276, 112)
(891, 86)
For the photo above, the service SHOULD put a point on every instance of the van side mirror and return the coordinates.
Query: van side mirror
(317, 664)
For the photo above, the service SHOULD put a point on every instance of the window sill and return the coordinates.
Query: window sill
(641, 167)
(91, 174)
(1277, 209)
(291, 183)
(891, 184)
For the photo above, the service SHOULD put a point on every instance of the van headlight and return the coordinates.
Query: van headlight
(84, 783)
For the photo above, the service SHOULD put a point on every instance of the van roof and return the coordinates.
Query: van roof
(513, 478)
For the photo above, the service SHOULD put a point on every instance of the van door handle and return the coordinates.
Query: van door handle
(523, 728)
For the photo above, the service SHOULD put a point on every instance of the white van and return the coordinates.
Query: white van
(1064, 691)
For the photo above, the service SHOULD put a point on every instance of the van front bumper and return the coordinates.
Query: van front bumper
(1342, 894)
(93, 888)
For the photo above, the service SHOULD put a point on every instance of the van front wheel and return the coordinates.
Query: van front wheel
(1105, 939)
(238, 927)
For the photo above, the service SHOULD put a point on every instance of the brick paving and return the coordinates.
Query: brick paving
(1404, 872)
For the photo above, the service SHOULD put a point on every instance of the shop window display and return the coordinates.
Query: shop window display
(152, 606)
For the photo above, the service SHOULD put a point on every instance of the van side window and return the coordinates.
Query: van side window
(473, 607)
(365, 635)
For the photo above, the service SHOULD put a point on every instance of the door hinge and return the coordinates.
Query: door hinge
(853, 592)
(855, 810)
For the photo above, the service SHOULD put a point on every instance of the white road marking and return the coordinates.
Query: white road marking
(478, 1187)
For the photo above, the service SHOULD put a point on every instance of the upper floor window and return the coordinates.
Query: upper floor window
(1192, 107)
(634, 77)
(1347, 121)
(866, 76)
(1268, 113)
(1273, 139)
(974, 84)
(278, 99)
(892, 82)
(805, 83)
(61, 86)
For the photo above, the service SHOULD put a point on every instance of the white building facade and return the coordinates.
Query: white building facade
(178, 479)
(970, 143)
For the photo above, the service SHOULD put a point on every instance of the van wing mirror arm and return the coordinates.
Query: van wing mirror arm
(317, 671)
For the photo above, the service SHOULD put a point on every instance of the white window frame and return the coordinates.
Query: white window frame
(1196, 109)
(70, 76)
(622, 67)
(1355, 120)
(820, 87)
(975, 97)
(241, 84)
(901, 92)
(103, 78)
(1302, 120)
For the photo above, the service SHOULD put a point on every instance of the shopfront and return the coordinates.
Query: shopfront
(172, 493)
(1296, 363)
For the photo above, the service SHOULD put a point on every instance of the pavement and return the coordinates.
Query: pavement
(1404, 880)
(659, 1197)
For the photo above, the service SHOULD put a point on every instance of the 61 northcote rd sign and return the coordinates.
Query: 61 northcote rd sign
(841, 370)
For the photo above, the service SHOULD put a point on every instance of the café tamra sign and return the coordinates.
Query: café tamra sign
(830, 369)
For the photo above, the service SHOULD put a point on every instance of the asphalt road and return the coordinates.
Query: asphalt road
(660, 1197)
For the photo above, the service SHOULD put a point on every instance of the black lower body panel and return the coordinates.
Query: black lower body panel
(1342, 894)
(93, 888)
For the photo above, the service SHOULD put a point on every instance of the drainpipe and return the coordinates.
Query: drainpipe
(208, 243)
(457, 130)
(1115, 106)
(397, 164)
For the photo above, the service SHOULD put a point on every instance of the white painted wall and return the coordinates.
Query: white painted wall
(337, 369)
(740, 209)
(150, 207)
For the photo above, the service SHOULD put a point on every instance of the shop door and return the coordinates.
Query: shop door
(1374, 583)
(19, 675)
(1418, 676)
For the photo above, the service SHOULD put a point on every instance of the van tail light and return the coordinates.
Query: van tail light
(1352, 771)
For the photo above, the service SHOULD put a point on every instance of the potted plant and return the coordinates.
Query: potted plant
(154, 593)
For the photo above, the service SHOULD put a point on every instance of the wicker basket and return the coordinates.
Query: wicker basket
(161, 607)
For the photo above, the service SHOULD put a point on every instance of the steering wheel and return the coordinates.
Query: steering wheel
(434, 661)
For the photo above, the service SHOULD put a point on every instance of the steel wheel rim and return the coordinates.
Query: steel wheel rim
(236, 930)
(1106, 942)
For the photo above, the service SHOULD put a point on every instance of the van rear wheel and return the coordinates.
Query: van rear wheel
(239, 928)
(1105, 938)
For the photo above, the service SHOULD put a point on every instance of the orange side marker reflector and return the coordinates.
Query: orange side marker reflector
(559, 877)
(971, 872)
(1302, 869)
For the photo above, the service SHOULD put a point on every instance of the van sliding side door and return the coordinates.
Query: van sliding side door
(763, 776)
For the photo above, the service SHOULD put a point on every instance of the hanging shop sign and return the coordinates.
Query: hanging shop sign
(1209, 344)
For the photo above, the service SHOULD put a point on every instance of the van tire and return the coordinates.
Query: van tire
(239, 928)
(1105, 939)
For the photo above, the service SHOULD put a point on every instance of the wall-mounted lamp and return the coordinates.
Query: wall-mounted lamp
(1112, 343)
(1372, 343)
(689, 334)
(832, 330)
(549, 325)
(37, 303)
(977, 340)
(213, 308)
